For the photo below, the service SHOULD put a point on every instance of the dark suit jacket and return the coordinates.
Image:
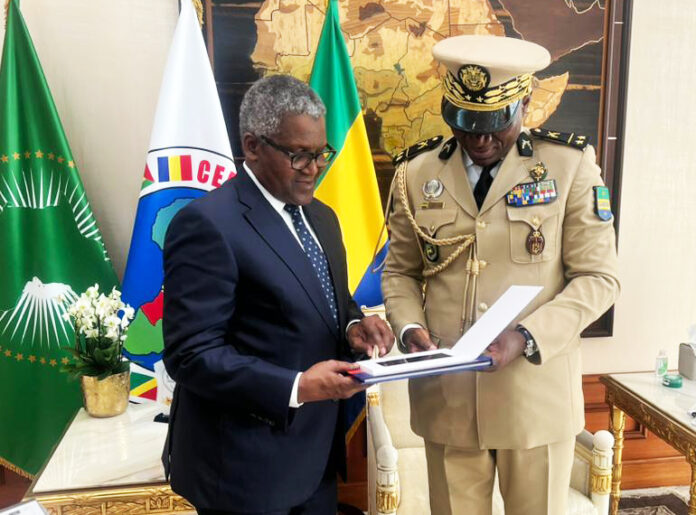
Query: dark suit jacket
(243, 313)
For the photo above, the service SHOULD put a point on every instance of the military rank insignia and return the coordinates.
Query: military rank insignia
(524, 145)
(532, 193)
(564, 138)
(448, 149)
(416, 149)
(602, 204)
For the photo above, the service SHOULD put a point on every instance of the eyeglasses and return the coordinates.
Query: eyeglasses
(301, 160)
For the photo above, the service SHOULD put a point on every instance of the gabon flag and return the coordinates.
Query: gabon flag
(349, 184)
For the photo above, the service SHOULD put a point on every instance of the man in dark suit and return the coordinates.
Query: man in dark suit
(259, 324)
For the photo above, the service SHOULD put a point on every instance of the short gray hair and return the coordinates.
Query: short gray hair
(269, 99)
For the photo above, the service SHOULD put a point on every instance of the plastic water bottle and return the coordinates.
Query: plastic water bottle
(661, 364)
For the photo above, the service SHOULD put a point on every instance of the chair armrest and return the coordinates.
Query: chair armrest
(601, 470)
(592, 468)
(386, 456)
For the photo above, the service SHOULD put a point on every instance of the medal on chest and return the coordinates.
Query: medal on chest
(535, 242)
(538, 172)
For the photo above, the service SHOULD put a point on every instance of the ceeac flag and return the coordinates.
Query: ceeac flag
(189, 155)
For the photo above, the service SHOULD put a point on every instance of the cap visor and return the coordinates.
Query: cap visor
(480, 122)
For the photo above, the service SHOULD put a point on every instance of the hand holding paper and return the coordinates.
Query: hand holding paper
(468, 352)
(328, 380)
(417, 339)
(370, 332)
(506, 347)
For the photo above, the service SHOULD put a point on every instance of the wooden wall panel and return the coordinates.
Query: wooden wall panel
(354, 490)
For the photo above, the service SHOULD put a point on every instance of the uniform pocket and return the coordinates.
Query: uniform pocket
(523, 222)
(432, 220)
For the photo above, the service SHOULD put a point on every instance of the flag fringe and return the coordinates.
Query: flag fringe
(7, 12)
(354, 427)
(15, 469)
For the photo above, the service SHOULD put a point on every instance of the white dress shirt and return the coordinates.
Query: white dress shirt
(279, 207)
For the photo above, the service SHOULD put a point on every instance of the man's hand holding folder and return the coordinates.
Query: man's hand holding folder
(417, 339)
(505, 348)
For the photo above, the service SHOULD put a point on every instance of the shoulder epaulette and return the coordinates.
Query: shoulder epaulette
(418, 148)
(564, 138)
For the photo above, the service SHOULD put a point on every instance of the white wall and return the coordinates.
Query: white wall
(657, 235)
(104, 60)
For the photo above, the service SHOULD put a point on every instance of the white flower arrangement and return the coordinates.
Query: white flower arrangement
(101, 323)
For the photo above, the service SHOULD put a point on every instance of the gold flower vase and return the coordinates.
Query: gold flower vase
(108, 397)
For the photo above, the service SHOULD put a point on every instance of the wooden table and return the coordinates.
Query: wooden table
(109, 466)
(662, 410)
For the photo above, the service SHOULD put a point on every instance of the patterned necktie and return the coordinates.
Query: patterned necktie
(316, 256)
(483, 184)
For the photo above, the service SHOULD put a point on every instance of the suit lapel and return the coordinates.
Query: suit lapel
(271, 227)
(514, 170)
(456, 181)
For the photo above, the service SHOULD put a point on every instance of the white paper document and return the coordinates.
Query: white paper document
(465, 354)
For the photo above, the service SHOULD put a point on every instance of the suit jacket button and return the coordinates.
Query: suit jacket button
(481, 224)
(483, 306)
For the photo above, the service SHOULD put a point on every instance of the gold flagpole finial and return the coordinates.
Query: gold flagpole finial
(198, 5)
(7, 11)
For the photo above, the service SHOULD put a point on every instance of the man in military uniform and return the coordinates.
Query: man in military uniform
(497, 205)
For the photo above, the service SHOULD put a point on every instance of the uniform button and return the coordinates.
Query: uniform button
(483, 263)
(432, 228)
(481, 224)
(536, 220)
(483, 306)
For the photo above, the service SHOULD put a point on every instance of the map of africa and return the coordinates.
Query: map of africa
(390, 42)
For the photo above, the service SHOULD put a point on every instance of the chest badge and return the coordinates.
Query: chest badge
(602, 203)
(532, 193)
(432, 253)
(538, 172)
(432, 189)
(535, 242)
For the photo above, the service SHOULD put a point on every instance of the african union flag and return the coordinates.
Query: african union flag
(349, 184)
(189, 155)
(51, 250)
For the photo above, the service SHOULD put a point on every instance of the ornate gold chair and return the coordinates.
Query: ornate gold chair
(397, 476)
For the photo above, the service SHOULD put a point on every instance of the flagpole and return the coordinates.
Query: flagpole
(7, 10)
(198, 6)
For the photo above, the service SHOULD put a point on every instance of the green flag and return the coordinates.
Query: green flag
(50, 251)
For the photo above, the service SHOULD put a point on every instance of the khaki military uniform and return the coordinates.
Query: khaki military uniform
(523, 405)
